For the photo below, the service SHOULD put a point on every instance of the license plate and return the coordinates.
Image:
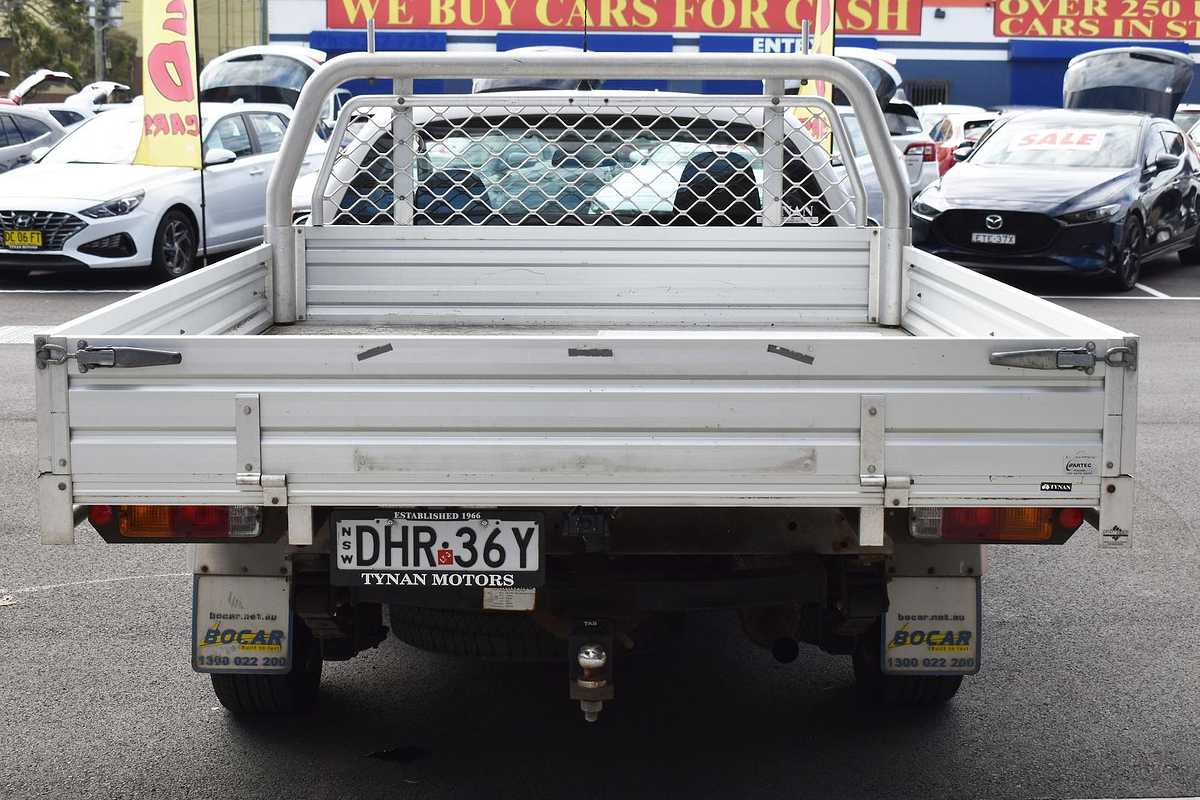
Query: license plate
(22, 240)
(931, 627)
(437, 549)
(993, 238)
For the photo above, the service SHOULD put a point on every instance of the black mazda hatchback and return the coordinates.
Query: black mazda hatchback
(1076, 190)
(1070, 191)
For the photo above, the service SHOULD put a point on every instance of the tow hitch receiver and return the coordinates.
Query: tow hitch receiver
(589, 647)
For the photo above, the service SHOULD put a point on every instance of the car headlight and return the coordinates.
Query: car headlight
(1092, 214)
(117, 207)
(925, 204)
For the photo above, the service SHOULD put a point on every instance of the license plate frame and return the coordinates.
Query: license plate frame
(983, 237)
(400, 553)
(24, 240)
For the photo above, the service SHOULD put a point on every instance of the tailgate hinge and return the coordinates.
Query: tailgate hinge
(871, 426)
(248, 434)
(1082, 358)
(87, 357)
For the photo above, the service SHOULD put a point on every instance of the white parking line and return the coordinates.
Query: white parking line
(1112, 297)
(21, 334)
(1151, 291)
(74, 291)
(96, 582)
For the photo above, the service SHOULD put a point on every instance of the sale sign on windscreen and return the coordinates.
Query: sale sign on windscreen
(628, 16)
(1098, 19)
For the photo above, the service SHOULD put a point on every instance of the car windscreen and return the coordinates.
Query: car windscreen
(255, 79)
(901, 120)
(1186, 119)
(974, 128)
(854, 131)
(1061, 143)
(109, 138)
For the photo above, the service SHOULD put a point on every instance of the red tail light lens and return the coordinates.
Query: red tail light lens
(176, 523)
(1003, 524)
(198, 521)
(927, 150)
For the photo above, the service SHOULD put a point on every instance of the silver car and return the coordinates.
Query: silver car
(23, 129)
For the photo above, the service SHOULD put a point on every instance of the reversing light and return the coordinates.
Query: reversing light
(176, 523)
(986, 524)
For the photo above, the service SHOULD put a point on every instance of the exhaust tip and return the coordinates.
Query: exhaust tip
(785, 649)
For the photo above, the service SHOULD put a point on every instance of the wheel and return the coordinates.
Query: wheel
(493, 636)
(1191, 254)
(1127, 264)
(174, 246)
(897, 690)
(276, 694)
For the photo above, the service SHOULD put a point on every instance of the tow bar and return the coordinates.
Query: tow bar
(588, 647)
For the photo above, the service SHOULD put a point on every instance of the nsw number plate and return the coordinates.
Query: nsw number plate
(22, 240)
(450, 549)
(993, 238)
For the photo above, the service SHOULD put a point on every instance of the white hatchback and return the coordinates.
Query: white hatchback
(85, 205)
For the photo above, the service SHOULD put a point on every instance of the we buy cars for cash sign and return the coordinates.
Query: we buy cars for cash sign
(895, 17)
(171, 121)
(1098, 19)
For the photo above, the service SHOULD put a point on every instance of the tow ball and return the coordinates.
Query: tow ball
(589, 647)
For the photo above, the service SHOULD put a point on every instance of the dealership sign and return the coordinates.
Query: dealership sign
(627, 16)
(1098, 19)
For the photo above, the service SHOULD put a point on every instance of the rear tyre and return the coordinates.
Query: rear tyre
(175, 246)
(1127, 264)
(897, 690)
(476, 634)
(276, 694)
(1191, 255)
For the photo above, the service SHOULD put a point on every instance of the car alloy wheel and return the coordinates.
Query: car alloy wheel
(177, 248)
(1129, 259)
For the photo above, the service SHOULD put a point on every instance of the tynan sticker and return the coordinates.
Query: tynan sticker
(1055, 486)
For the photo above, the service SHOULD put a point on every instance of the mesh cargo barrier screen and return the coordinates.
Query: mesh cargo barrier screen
(590, 160)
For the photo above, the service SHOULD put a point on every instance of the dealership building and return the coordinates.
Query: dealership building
(958, 51)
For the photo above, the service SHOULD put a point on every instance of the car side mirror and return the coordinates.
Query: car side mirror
(38, 153)
(219, 155)
(835, 160)
(963, 150)
(1163, 161)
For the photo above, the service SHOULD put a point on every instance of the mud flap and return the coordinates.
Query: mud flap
(241, 624)
(931, 626)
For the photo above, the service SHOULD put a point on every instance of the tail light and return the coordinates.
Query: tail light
(927, 150)
(1004, 524)
(176, 523)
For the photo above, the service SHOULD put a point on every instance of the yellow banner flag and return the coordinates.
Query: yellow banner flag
(171, 126)
(823, 29)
